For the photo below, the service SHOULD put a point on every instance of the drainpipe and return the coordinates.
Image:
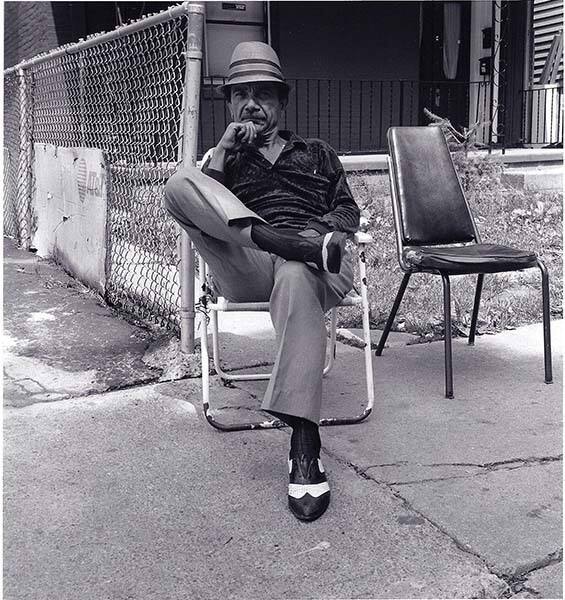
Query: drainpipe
(191, 104)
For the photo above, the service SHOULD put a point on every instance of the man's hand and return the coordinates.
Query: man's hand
(237, 134)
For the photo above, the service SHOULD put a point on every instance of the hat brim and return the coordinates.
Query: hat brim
(224, 88)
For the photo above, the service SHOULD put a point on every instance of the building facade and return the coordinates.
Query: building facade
(357, 68)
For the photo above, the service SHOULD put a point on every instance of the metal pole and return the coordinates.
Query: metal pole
(189, 142)
(491, 82)
(23, 206)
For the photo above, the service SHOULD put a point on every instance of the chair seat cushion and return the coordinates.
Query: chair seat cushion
(474, 258)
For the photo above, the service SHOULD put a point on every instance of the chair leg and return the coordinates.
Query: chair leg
(546, 322)
(332, 343)
(276, 423)
(475, 315)
(366, 351)
(392, 314)
(447, 336)
(268, 424)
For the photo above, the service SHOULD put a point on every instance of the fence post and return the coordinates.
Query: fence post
(23, 194)
(189, 143)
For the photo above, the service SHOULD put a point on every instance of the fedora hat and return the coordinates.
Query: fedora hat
(254, 62)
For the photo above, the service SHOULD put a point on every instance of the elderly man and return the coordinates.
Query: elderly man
(270, 213)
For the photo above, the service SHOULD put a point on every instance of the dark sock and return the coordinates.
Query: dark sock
(291, 246)
(305, 439)
(286, 244)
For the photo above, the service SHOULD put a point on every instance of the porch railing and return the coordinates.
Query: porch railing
(354, 115)
(543, 115)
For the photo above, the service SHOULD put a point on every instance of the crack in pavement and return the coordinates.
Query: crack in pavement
(488, 465)
(88, 394)
(518, 579)
(406, 503)
(19, 383)
(541, 563)
(515, 580)
(509, 465)
(251, 366)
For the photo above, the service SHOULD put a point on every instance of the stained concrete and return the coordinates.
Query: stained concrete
(130, 493)
(60, 340)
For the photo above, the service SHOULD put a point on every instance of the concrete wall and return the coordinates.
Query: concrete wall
(69, 210)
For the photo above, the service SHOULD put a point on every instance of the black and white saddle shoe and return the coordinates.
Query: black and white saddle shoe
(308, 488)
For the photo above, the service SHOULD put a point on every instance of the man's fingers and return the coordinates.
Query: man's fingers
(249, 134)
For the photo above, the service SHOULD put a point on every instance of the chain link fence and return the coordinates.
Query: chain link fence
(17, 159)
(122, 95)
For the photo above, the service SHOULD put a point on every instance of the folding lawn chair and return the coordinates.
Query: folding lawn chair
(212, 306)
(436, 233)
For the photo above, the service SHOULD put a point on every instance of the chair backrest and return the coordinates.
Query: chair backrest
(430, 205)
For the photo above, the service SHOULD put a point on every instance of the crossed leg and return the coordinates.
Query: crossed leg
(219, 226)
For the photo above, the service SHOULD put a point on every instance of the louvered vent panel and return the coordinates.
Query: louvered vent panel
(548, 21)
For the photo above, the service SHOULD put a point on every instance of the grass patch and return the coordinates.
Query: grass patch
(504, 215)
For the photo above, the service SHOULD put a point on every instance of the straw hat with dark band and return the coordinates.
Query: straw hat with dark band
(254, 62)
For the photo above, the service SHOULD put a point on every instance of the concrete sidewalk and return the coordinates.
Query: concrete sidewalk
(115, 487)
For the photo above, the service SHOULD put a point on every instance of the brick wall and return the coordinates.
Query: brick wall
(29, 29)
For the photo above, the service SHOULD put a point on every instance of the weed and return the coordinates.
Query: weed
(504, 215)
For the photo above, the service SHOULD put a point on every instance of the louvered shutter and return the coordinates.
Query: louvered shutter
(547, 22)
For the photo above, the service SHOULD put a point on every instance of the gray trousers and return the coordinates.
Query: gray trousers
(219, 226)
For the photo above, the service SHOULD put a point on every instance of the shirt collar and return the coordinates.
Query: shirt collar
(291, 138)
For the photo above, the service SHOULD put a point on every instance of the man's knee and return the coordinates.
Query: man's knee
(293, 272)
(297, 296)
(298, 278)
(177, 191)
(174, 188)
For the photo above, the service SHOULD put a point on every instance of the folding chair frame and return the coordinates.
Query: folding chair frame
(209, 310)
(408, 271)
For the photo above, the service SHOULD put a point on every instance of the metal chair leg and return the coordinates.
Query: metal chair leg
(546, 322)
(276, 423)
(475, 315)
(447, 336)
(366, 351)
(332, 343)
(392, 314)
(267, 424)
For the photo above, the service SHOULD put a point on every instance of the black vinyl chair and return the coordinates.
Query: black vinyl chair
(436, 233)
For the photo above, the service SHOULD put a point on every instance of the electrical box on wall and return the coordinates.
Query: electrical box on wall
(484, 65)
(228, 24)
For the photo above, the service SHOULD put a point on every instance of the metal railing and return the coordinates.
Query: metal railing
(354, 115)
(125, 92)
(543, 115)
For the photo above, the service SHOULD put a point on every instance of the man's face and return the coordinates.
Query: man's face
(259, 103)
